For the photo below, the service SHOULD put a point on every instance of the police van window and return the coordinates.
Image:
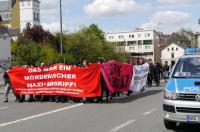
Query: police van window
(187, 68)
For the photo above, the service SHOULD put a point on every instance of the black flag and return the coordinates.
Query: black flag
(13, 2)
(1, 19)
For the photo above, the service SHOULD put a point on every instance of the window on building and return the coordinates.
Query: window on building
(111, 37)
(131, 36)
(172, 55)
(121, 36)
(131, 43)
(167, 49)
(176, 49)
(148, 42)
(38, 16)
(140, 42)
(35, 16)
(29, 3)
(147, 35)
(147, 47)
(172, 49)
(131, 48)
(139, 35)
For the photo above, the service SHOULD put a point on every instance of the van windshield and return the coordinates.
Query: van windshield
(187, 68)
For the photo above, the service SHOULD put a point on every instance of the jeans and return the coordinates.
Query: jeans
(7, 89)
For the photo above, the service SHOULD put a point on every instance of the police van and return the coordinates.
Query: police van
(182, 93)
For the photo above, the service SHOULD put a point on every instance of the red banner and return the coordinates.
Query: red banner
(57, 79)
(117, 76)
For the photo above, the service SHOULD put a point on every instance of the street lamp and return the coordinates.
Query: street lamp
(61, 40)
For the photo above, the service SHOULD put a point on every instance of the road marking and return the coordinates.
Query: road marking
(39, 115)
(123, 125)
(149, 112)
(1, 108)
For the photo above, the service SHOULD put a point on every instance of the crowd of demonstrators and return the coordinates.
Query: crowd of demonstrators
(155, 73)
(52, 98)
(158, 72)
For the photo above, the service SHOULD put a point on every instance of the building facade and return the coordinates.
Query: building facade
(171, 53)
(29, 13)
(5, 47)
(17, 13)
(139, 43)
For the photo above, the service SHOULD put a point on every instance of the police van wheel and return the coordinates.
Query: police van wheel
(170, 124)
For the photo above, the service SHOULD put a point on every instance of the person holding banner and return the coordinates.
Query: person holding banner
(8, 86)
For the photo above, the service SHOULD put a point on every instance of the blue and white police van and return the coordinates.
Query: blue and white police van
(182, 93)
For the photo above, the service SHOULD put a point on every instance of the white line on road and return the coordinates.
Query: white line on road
(123, 125)
(149, 112)
(39, 115)
(1, 108)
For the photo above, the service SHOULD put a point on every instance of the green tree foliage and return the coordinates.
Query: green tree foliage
(48, 54)
(28, 54)
(35, 45)
(89, 43)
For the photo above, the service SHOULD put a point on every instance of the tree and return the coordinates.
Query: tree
(94, 30)
(35, 45)
(48, 54)
(28, 54)
(38, 35)
(89, 43)
(38, 44)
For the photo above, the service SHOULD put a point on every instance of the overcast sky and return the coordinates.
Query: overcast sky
(122, 15)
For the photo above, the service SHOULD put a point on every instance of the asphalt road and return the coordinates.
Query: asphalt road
(138, 113)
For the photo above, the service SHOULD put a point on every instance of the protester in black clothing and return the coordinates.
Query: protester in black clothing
(157, 73)
(151, 73)
(165, 71)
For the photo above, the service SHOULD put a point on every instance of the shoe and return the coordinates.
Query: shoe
(5, 101)
(30, 100)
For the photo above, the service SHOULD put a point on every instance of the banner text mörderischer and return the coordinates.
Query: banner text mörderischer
(50, 76)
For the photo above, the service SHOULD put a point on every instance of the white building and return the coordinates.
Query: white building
(139, 43)
(171, 53)
(29, 13)
(5, 47)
